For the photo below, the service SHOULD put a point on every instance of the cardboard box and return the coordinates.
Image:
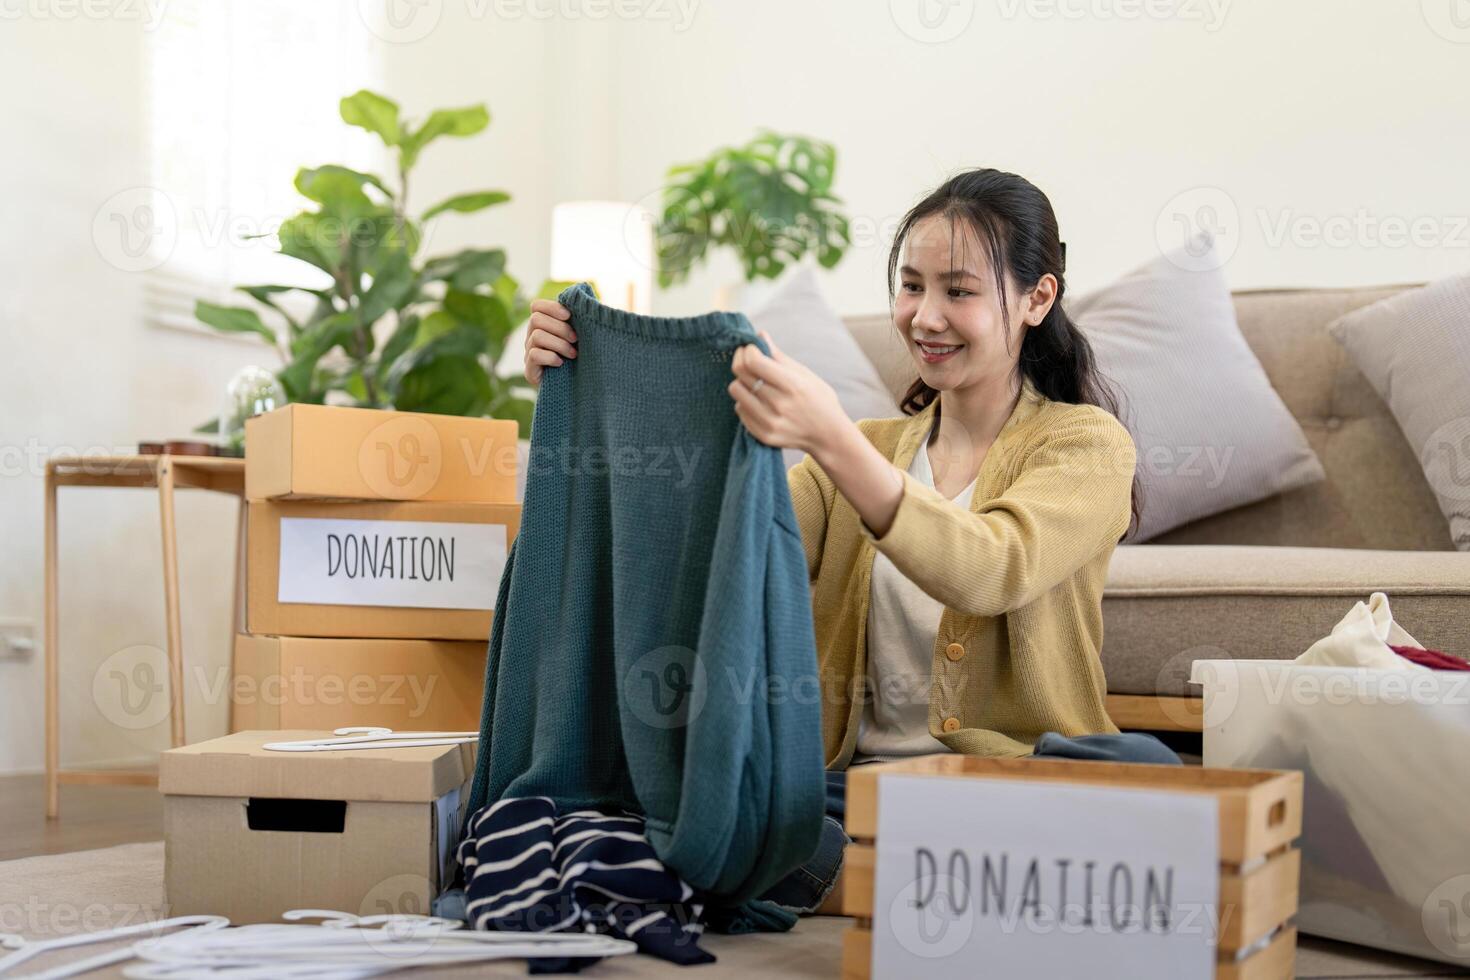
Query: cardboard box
(375, 570)
(321, 451)
(250, 834)
(406, 685)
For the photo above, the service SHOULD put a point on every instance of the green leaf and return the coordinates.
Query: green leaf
(552, 288)
(400, 341)
(442, 122)
(449, 385)
(264, 293)
(361, 176)
(467, 203)
(233, 319)
(340, 329)
(355, 385)
(334, 171)
(374, 113)
(460, 340)
(208, 428)
(436, 325)
(508, 290)
(392, 287)
(484, 311)
(467, 269)
(309, 238)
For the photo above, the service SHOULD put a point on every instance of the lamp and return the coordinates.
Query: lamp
(609, 244)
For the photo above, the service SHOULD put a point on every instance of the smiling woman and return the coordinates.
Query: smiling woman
(964, 546)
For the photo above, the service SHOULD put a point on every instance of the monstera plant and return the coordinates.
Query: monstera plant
(387, 327)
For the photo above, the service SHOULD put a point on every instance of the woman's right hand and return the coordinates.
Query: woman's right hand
(550, 338)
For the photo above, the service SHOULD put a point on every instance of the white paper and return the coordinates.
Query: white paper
(419, 564)
(972, 873)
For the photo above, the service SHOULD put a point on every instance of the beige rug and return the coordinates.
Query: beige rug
(85, 891)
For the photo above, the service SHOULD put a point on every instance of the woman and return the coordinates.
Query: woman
(957, 555)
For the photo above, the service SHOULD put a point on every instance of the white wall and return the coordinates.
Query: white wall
(1311, 112)
(83, 371)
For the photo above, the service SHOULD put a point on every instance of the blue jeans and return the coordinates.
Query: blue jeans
(804, 889)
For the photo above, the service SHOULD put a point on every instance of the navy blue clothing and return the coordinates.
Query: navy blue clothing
(529, 868)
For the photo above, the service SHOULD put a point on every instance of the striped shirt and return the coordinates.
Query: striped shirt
(528, 868)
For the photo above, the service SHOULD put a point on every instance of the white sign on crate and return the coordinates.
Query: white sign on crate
(418, 564)
(1017, 878)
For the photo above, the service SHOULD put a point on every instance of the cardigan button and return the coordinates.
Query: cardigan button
(951, 724)
(955, 652)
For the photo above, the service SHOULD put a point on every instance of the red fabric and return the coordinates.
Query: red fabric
(1430, 658)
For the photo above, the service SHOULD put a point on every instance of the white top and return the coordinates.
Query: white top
(903, 625)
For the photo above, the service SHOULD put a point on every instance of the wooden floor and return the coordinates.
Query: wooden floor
(91, 816)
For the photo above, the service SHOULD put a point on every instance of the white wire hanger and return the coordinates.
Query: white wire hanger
(349, 947)
(24, 950)
(341, 946)
(372, 737)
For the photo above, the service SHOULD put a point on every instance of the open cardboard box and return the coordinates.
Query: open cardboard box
(250, 834)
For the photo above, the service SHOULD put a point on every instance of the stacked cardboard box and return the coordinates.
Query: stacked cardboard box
(375, 544)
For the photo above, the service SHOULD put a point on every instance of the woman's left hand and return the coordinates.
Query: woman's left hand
(781, 402)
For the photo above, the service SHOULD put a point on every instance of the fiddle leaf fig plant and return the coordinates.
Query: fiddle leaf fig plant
(769, 200)
(389, 328)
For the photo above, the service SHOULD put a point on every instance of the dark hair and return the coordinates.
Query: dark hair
(1016, 225)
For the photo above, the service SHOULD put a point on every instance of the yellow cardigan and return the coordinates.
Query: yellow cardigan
(1020, 575)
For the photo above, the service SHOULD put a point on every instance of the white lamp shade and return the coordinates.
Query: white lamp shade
(610, 244)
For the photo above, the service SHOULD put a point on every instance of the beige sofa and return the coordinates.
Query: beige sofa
(1266, 580)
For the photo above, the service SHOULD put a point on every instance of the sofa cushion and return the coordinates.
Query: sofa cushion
(1211, 432)
(1415, 350)
(1166, 606)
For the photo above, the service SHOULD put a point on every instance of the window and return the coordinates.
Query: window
(242, 93)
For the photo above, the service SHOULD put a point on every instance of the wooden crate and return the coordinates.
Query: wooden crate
(1260, 818)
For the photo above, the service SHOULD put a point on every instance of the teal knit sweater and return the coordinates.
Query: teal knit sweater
(652, 646)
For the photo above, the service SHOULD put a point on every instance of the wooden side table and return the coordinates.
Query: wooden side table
(164, 473)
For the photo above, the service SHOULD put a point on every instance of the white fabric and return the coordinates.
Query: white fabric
(1384, 756)
(1211, 432)
(1362, 640)
(802, 324)
(903, 624)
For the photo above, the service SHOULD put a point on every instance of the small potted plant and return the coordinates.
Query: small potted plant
(770, 201)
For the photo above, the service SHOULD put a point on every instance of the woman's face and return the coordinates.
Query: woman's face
(947, 310)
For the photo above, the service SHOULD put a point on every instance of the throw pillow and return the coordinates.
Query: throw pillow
(1210, 431)
(802, 324)
(1414, 348)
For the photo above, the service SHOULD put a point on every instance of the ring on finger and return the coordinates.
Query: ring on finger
(755, 388)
